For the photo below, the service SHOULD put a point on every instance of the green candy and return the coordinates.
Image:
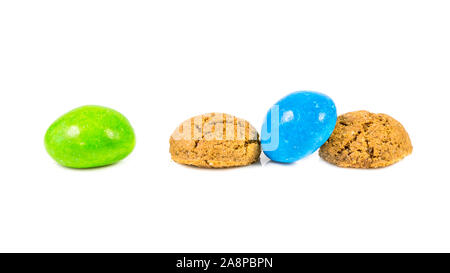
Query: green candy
(90, 136)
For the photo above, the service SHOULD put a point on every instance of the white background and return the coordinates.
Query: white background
(161, 62)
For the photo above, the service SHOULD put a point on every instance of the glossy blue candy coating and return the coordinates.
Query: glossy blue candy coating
(305, 120)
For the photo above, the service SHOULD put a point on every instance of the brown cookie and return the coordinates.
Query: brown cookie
(366, 140)
(215, 140)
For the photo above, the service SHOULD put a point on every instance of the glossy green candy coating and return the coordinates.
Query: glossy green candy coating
(90, 136)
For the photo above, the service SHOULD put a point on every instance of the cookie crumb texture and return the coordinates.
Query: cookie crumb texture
(215, 140)
(366, 140)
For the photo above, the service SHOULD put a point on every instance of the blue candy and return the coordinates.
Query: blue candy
(297, 125)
